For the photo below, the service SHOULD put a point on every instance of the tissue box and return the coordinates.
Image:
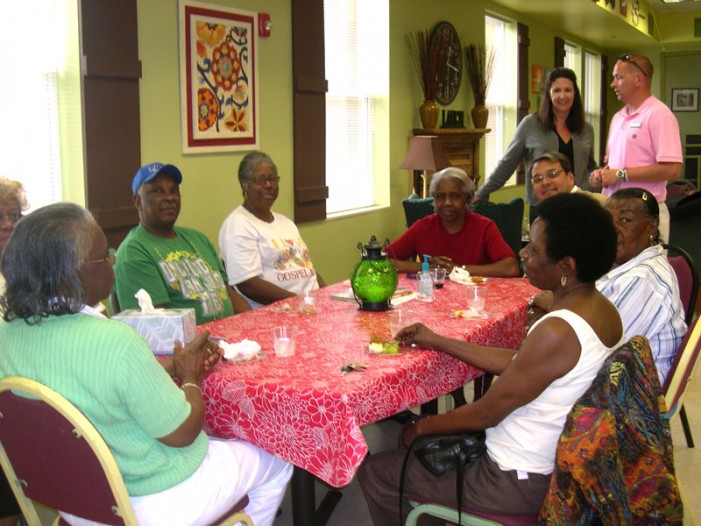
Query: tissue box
(160, 329)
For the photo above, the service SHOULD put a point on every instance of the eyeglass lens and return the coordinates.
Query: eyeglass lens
(274, 179)
(550, 174)
(13, 217)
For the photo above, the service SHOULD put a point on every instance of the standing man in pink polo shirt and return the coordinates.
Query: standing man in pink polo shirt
(644, 148)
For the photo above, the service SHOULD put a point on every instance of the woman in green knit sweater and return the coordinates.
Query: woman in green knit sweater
(56, 265)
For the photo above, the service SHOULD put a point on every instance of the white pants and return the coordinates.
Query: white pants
(230, 470)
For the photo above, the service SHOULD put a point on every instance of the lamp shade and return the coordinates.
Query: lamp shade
(425, 153)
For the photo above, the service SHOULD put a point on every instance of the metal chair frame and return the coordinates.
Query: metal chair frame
(689, 309)
(69, 467)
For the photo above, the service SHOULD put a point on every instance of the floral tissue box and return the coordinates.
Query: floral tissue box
(160, 329)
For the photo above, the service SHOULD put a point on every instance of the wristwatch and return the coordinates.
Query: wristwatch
(622, 175)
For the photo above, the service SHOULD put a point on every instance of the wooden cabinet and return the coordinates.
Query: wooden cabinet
(461, 146)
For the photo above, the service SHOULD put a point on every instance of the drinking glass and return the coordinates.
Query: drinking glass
(398, 319)
(284, 340)
(438, 275)
(477, 298)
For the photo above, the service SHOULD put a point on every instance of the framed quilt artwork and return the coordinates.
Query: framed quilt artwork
(218, 78)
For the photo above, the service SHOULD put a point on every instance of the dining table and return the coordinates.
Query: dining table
(306, 410)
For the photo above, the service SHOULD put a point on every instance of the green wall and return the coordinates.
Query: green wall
(210, 190)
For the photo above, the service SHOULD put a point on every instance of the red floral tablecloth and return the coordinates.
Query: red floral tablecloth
(302, 410)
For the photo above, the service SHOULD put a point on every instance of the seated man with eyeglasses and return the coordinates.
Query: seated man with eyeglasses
(552, 174)
(644, 146)
(179, 267)
(264, 253)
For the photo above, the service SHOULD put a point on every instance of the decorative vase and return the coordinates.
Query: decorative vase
(480, 116)
(429, 112)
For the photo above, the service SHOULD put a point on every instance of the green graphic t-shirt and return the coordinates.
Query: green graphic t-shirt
(183, 272)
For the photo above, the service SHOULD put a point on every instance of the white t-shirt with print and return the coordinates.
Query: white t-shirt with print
(274, 252)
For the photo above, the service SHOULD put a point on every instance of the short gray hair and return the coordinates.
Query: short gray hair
(250, 161)
(42, 263)
(467, 185)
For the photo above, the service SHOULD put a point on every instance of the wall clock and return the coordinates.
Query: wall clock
(445, 43)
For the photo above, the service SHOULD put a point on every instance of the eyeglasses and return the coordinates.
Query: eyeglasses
(110, 258)
(261, 180)
(549, 174)
(13, 217)
(626, 58)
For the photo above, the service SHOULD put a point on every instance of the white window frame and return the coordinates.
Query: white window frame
(573, 59)
(356, 44)
(592, 95)
(500, 37)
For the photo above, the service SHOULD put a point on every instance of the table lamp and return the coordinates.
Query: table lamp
(425, 154)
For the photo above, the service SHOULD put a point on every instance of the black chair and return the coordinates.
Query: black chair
(507, 216)
(685, 224)
(688, 280)
(415, 209)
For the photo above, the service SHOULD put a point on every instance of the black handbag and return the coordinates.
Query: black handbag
(443, 453)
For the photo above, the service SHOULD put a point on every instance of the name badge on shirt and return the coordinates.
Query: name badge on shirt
(635, 124)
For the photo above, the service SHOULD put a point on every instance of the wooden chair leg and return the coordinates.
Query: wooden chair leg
(685, 426)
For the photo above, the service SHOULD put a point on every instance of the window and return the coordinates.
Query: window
(356, 41)
(29, 132)
(573, 60)
(500, 36)
(591, 95)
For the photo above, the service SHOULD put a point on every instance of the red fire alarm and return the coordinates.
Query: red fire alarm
(264, 25)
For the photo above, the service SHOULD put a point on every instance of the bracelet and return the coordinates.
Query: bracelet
(190, 384)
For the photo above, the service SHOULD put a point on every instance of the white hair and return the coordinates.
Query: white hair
(467, 185)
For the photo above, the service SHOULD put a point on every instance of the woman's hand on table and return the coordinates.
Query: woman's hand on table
(189, 361)
(539, 305)
(215, 353)
(416, 334)
(543, 301)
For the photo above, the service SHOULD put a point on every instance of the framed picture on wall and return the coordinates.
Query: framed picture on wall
(685, 99)
(218, 78)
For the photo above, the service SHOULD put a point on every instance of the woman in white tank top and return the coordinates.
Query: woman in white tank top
(573, 243)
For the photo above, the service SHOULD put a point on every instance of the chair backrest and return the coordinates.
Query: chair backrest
(687, 277)
(53, 455)
(616, 445)
(415, 209)
(683, 368)
(507, 216)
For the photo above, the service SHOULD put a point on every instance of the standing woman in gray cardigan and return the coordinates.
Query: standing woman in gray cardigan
(559, 126)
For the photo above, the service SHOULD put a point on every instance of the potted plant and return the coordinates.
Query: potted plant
(480, 68)
(424, 56)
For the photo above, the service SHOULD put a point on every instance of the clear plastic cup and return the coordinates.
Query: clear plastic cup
(438, 275)
(477, 298)
(398, 319)
(307, 303)
(284, 340)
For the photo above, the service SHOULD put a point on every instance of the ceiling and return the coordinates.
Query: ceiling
(586, 20)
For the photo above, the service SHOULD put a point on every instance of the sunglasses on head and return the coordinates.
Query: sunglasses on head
(626, 58)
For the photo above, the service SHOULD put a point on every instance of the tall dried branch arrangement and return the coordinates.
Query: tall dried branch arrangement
(424, 56)
(480, 68)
